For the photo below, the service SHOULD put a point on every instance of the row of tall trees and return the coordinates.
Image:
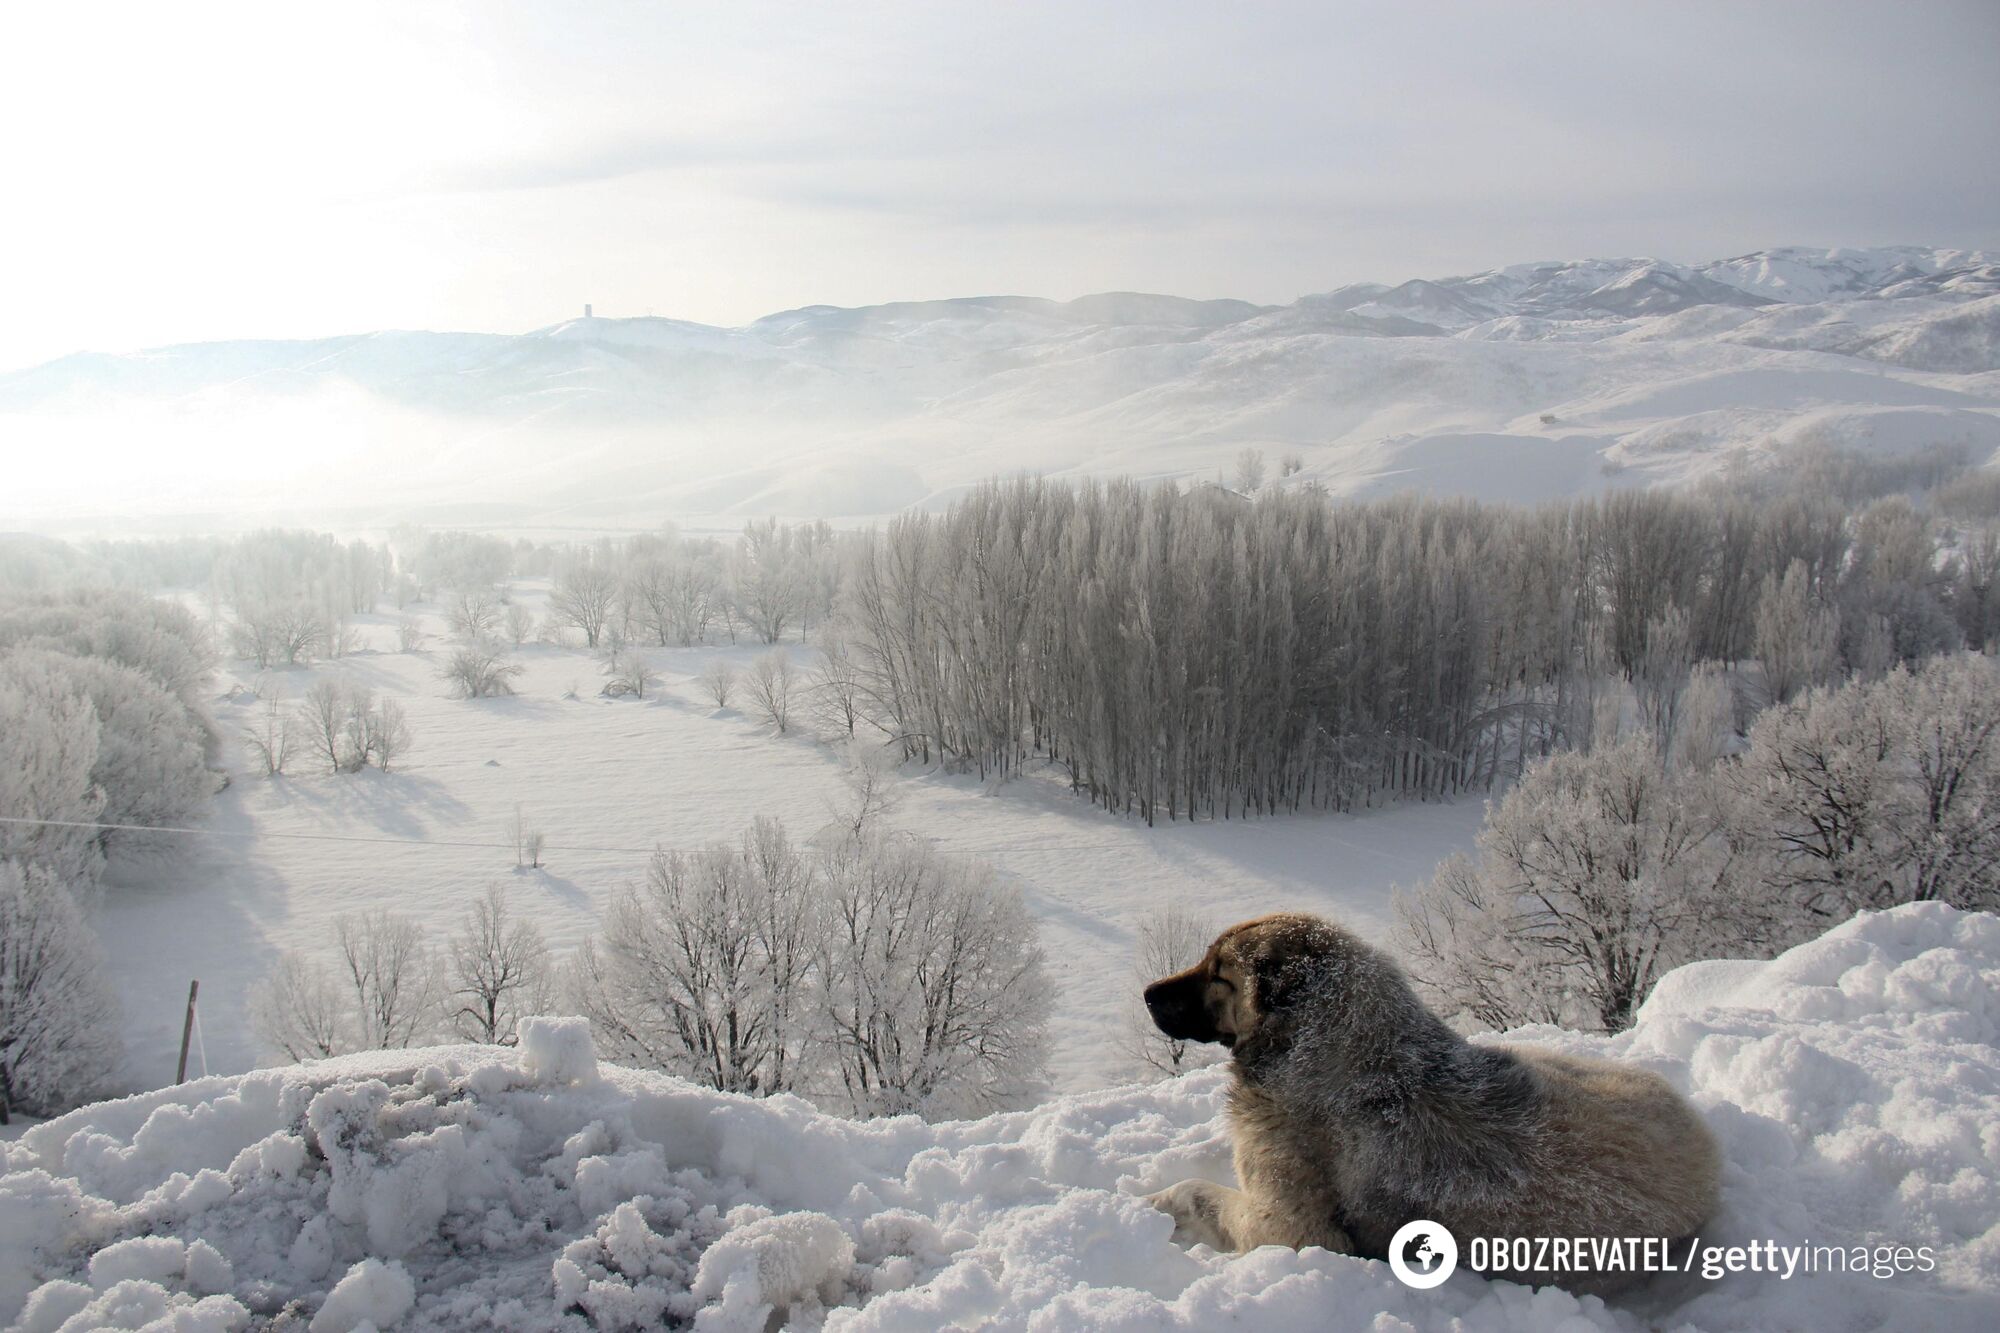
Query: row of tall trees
(1199, 654)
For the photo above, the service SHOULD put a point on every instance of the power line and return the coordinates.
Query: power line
(312, 837)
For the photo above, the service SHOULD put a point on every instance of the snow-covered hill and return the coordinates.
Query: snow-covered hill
(1854, 1085)
(1533, 380)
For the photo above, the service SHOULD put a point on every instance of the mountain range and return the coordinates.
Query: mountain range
(1527, 382)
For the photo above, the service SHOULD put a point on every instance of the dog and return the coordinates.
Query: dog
(1354, 1109)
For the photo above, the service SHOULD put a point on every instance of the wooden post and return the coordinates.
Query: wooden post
(187, 1031)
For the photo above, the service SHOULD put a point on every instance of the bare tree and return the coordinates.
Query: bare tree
(298, 1009)
(270, 740)
(930, 975)
(769, 686)
(480, 670)
(393, 978)
(325, 718)
(1249, 475)
(500, 972)
(1168, 939)
(584, 594)
(701, 972)
(718, 681)
(472, 611)
(385, 734)
(630, 674)
(837, 686)
(520, 623)
(870, 780)
(528, 842)
(1797, 639)
(410, 634)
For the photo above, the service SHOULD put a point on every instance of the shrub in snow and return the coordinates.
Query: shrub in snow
(58, 1020)
(769, 685)
(480, 670)
(271, 738)
(500, 972)
(718, 681)
(630, 674)
(410, 634)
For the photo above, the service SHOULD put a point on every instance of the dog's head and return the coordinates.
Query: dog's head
(1247, 982)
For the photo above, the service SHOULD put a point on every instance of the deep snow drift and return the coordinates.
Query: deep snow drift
(1854, 1084)
(1532, 382)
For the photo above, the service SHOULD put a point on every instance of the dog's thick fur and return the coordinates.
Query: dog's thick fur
(1354, 1109)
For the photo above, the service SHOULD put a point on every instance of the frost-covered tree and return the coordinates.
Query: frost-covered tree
(480, 670)
(51, 734)
(1878, 793)
(520, 623)
(472, 611)
(931, 981)
(299, 1009)
(58, 1020)
(837, 686)
(323, 723)
(583, 596)
(392, 976)
(718, 680)
(768, 585)
(1797, 639)
(1168, 939)
(769, 685)
(701, 971)
(150, 763)
(629, 674)
(500, 972)
(410, 634)
(1596, 874)
(271, 736)
(1249, 472)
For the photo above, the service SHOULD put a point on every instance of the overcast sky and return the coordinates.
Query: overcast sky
(179, 172)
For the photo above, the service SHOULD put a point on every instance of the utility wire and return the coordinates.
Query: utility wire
(310, 837)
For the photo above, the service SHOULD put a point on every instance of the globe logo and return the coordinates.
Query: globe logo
(1422, 1254)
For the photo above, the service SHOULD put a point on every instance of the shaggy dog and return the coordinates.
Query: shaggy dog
(1354, 1109)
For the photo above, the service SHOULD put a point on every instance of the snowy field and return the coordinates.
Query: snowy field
(607, 780)
(1853, 1083)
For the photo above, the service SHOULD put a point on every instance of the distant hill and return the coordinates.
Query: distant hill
(1526, 382)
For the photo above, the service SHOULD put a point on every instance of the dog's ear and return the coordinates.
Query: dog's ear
(1279, 964)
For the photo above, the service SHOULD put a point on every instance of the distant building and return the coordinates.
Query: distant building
(586, 310)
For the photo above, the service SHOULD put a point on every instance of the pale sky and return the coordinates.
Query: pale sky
(195, 171)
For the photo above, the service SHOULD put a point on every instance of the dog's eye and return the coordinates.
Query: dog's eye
(1222, 981)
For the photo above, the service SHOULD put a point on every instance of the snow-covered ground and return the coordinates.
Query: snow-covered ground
(1854, 1084)
(599, 775)
(1531, 382)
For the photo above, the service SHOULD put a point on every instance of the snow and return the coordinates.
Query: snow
(859, 413)
(671, 770)
(1854, 1084)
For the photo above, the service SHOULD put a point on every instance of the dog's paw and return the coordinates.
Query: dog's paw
(1196, 1207)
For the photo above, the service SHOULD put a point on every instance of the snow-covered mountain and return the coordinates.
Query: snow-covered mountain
(1522, 383)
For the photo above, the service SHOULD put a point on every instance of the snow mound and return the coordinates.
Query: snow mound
(1854, 1084)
